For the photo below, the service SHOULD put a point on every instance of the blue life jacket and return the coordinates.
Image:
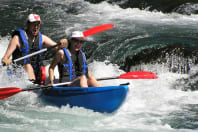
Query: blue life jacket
(69, 65)
(25, 51)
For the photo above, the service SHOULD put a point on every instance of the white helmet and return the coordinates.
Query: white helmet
(77, 34)
(34, 18)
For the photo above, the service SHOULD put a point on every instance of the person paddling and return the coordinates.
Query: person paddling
(72, 65)
(26, 41)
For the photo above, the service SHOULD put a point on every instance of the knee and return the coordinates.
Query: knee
(92, 78)
(83, 77)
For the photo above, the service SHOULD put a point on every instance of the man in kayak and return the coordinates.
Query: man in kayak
(72, 64)
(27, 41)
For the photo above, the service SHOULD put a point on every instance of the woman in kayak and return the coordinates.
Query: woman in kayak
(72, 64)
(26, 41)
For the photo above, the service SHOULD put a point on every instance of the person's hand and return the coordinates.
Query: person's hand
(6, 61)
(63, 43)
(49, 86)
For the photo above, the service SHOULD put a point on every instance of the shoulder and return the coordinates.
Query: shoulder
(16, 38)
(44, 36)
(59, 55)
(82, 53)
(17, 32)
(60, 51)
(15, 41)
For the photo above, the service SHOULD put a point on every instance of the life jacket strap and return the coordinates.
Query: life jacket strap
(25, 43)
(85, 66)
(70, 70)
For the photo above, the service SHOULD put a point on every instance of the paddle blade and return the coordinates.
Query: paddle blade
(97, 29)
(9, 91)
(138, 75)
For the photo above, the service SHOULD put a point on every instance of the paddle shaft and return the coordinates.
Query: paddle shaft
(35, 53)
(66, 83)
(128, 75)
(108, 78)
(44, 87)
(35, 88)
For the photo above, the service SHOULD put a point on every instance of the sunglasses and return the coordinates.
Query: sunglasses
(77, 40)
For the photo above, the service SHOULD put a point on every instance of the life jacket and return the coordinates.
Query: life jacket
(69, 71)
(27, 47)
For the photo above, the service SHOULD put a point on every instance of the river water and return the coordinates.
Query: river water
(163, 43)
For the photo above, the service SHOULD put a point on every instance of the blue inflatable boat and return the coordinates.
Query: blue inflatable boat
(101, 99)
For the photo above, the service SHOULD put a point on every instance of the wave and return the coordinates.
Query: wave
(179, 58)
(166, 6)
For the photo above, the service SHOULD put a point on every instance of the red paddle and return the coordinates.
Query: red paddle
(133, 75)
(10, 91)
(97, 29)
(138, 75)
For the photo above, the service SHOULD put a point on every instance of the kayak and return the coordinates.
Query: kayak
(99, 99)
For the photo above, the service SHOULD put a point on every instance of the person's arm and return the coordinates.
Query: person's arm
(57, 59)
(49, 42)
(14, 43)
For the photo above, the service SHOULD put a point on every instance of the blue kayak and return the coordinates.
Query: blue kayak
(101, 99)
